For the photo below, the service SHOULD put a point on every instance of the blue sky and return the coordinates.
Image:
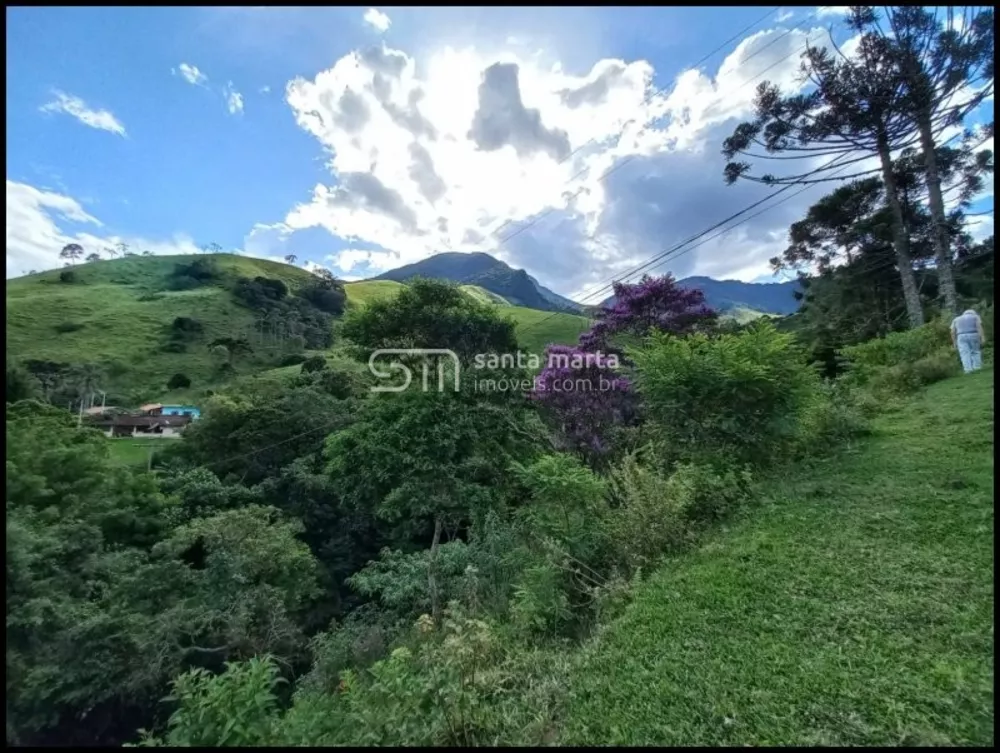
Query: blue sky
(360, 139)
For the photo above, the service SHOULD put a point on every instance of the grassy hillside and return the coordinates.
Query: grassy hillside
(856, 608)
(360, 293)
(484, 296)
(118, 314)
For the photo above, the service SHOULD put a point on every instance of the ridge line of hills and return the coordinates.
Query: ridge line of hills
(521, 289)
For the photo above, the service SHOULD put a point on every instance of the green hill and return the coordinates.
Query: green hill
(118, 314)
(484, 296)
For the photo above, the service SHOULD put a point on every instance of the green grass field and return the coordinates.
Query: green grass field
(484, 296)
(854, 607)
(134, 452)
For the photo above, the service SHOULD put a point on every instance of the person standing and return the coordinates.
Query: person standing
(968, 337)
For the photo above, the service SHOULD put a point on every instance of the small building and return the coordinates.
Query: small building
(142, 426)
(151, 409)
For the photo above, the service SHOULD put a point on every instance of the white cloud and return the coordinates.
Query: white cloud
(103, 120)
(265, 90)
(828, 11)
(37, 231)
(191, 74)
(980, 228)
(377, 19)
(441, 159)
(234, 100)
(784, 14)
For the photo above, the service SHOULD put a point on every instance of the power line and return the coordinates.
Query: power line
(608, 172)
(539, 217)
(662, 257)
(647, 99)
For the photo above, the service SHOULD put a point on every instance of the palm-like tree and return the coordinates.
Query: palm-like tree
(71, 251)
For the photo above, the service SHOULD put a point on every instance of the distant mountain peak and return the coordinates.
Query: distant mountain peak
(521, 289)
(489, 273)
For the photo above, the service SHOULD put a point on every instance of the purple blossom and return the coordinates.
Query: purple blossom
(600, 399)
(652, 303)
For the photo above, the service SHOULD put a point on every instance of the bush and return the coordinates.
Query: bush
(235, 708)
(314, 363)
(838, 413)
(326, 295)
(178, 382)
(292, 359)
(198, 273)
(68, 276)
(732, 397)
(648, 519)
(185, 326)
(869, 361)
(65, 327)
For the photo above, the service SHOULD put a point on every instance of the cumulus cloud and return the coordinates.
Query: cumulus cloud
(103, 120)
(473, 149)
(191, 74)
(234, 100)
(377, 20)
(41, 222)
(832, 11)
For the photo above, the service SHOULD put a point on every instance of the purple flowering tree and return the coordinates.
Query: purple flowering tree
(582, 391)
(653, 303)
(585, 400)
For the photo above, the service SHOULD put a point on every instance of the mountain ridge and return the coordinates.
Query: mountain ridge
(489, 273)
(521, 289)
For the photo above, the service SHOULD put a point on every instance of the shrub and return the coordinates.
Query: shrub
(839, 412)
(361, 639)
(65, 327)
(867, 361)
(235, 708)
(198, 273)
(399, 581)
(314, 363)
(731, 397)
(326, 295)
(178, 382)
(711, 493)
(68, 276)
(292, 359)
(185, 326)
(648, 519)
(566, 503)
(260, 292)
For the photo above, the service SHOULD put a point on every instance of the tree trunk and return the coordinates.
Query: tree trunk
(432, 581)
(900, 240)
(939, 222)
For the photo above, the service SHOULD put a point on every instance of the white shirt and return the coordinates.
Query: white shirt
(966, 323)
